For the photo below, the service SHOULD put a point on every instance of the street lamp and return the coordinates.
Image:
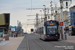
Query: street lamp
(41, 15)
(43, 5)
(45, 13)
(51, 9)
(62, 29)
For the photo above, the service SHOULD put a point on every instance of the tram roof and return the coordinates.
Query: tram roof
(51, 21)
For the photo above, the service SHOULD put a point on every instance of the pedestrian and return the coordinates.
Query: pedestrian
(16, 34)
(65, 34)
(12, 34)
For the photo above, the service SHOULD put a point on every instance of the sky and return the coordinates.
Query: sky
(17, 9)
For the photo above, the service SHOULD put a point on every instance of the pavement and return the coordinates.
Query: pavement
(11, 44)
(70, 39)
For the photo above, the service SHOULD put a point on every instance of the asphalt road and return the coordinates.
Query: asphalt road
(32, 42)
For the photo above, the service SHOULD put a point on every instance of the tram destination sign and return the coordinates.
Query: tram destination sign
(51, 23)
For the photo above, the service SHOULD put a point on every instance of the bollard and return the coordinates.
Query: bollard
(6, 37)
(65, 36)
(62, 36)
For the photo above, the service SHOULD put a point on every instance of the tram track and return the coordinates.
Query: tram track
(42, 44)
(61, 44)
(28, 44)
(38, 43)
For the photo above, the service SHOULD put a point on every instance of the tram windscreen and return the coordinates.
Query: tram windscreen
(51, 29)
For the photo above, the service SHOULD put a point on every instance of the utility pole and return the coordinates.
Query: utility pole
(41, 15)
(51, 9)
(36, 20)
(55, 12)
(45, 19)
(48, 17)
(62, 29)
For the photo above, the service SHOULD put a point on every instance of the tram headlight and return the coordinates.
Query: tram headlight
(56, 35)
(47, 35)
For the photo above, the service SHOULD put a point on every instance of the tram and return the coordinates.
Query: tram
(49, 30)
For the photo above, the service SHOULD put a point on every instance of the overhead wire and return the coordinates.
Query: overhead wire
(31, 7)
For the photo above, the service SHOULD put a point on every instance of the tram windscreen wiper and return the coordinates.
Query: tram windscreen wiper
(51, 29)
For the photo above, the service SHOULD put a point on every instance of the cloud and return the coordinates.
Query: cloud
(18, 12)
(72, 4)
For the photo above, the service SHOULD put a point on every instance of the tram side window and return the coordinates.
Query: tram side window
(42, 30)
(39, 30)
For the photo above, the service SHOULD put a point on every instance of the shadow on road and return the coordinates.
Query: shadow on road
(51, 40)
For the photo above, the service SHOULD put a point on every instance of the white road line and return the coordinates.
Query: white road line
(4, 43)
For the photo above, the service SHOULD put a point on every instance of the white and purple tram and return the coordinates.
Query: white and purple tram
(49, 30)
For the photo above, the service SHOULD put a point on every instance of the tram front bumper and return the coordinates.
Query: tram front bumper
(52, 37)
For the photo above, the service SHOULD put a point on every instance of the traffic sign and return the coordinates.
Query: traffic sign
(61, 23)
